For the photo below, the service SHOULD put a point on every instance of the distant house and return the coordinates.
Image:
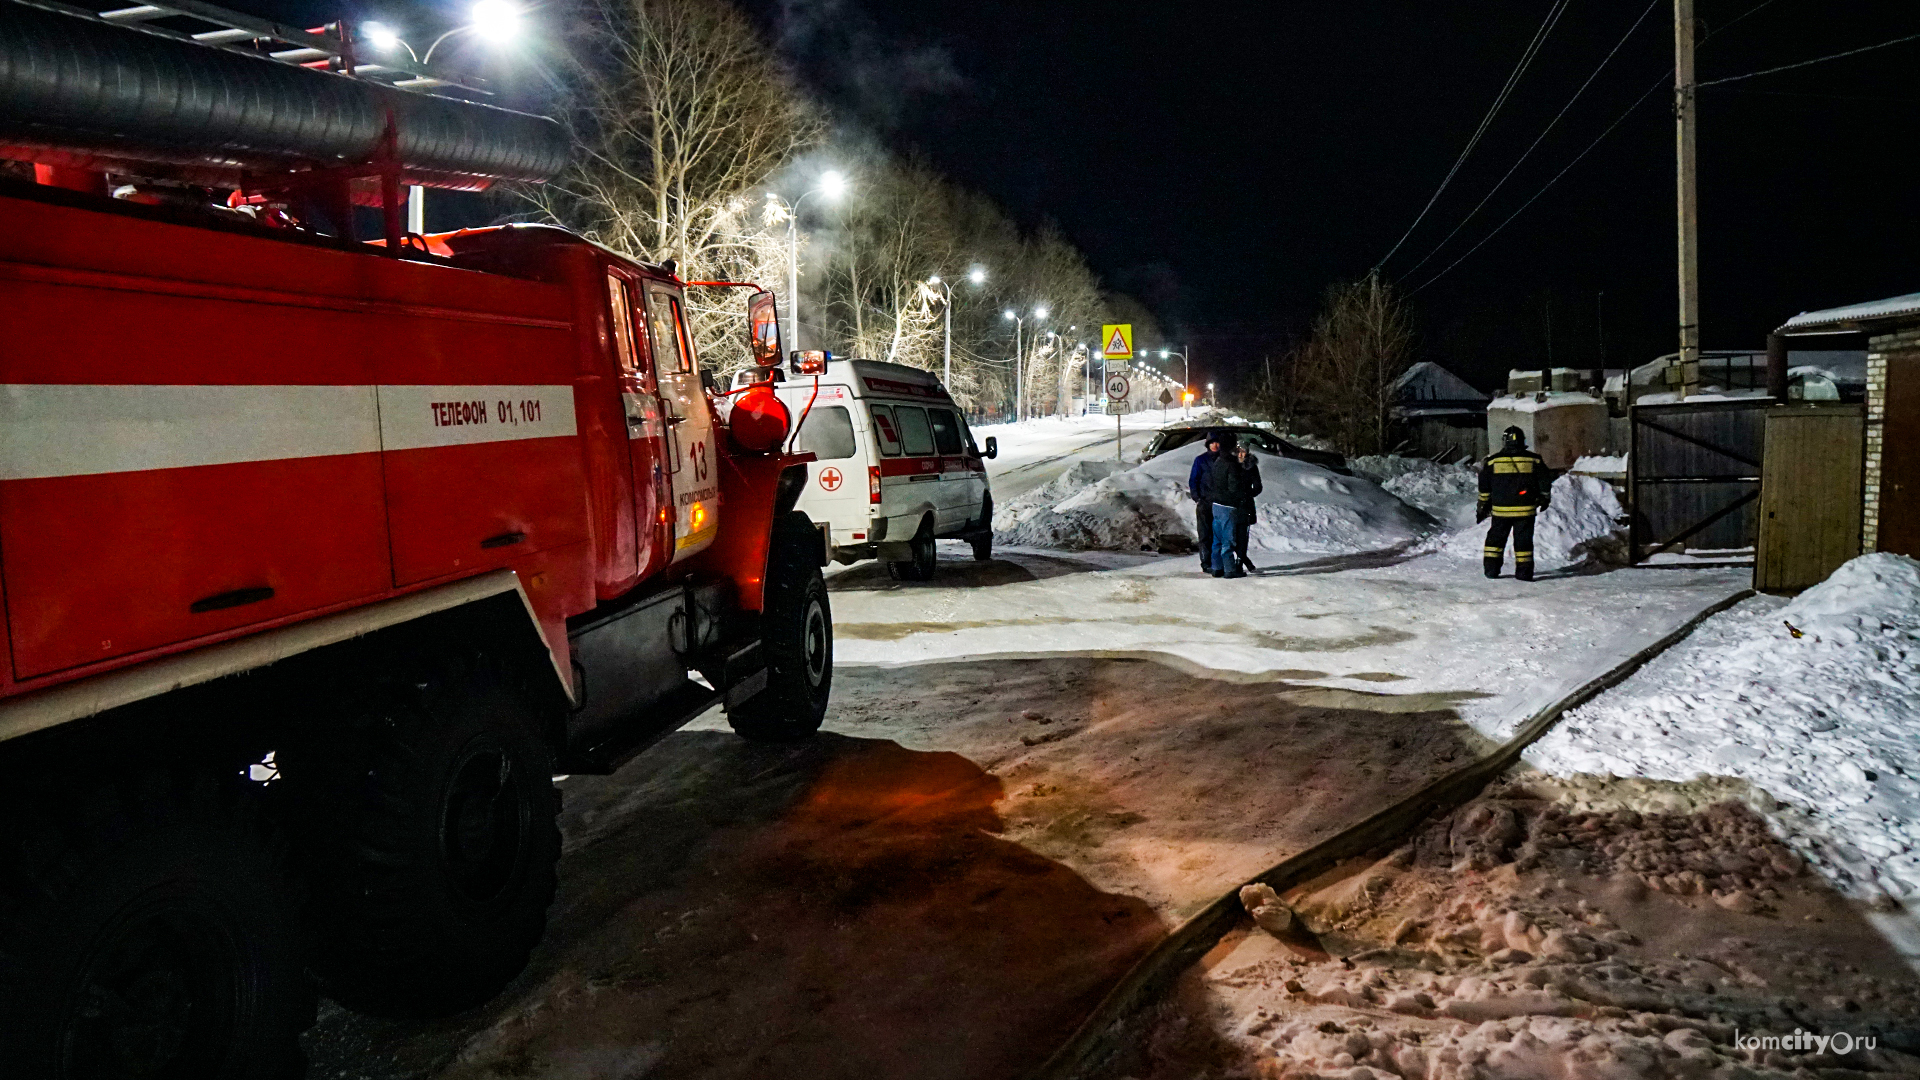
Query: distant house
(1438, 415)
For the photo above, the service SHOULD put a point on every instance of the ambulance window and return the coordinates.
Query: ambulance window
(946, 431)
(622, 318)
(827, 433)
(889, 434)
(966, 433)
(915, 438)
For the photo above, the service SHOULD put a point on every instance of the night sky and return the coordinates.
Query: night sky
(1225, 162)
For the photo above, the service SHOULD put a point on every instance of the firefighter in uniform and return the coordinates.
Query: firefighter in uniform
(1514, 486)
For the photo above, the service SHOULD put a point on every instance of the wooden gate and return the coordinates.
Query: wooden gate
(1694, 474)
(1809, 494)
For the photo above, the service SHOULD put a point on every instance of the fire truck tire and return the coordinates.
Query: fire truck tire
(925, 557)
(151, 929)
(430, 831)
(797, 637)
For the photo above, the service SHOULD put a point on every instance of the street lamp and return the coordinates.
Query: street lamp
(1211, 403)
(1019, 395)
(1186, 379)
(832, 185)
(496, 20)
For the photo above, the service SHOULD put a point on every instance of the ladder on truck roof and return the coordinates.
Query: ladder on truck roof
(328, 48)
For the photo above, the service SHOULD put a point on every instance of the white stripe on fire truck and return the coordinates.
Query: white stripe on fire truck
(416, 417)
(52, 430)
(61, 430)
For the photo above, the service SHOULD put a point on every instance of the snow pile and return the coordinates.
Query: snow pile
(1447, 492)
(1303, 508)
(1584, 523)
(1082, 510)
(1822, 721)
(1601, 465)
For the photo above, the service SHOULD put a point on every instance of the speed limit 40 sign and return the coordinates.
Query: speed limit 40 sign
(1117, 387)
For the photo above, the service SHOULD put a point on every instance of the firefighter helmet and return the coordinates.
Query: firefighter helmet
(1514, 437)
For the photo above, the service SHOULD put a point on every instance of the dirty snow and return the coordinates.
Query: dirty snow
(1520, 938)
(1823, 725)
(1303, 508)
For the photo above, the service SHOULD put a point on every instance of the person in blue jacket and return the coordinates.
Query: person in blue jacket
(1202, 502)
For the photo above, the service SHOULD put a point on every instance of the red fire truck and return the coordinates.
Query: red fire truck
(322, 555)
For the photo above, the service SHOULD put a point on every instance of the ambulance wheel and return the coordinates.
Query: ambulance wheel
(797, 639)
(151, 930)
(983, 540)
(924, 558)
(428, 825)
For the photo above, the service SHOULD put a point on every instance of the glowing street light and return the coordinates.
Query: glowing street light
(496, 20)
(977, 275)
(832, 185)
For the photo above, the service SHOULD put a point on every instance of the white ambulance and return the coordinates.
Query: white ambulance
(895, 466)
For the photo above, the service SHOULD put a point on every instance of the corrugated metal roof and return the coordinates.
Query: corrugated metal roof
(1856, 316)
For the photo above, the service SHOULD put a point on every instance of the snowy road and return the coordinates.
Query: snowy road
(1030, 458)
(1032, 769)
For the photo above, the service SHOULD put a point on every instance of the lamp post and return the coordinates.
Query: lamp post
(1211, 403)
(1186, 378)
(977, 275)
(496, 20)
(1019, 398)
(832, 185)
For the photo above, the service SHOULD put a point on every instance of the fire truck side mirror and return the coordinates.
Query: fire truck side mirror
(763, 329)
(993, 447)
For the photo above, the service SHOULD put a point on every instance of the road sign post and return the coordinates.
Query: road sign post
(1117, 387)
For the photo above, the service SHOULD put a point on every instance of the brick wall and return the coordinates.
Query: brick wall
(1903, 344)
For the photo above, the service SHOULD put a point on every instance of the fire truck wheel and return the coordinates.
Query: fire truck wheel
(151, 930)
(925, 557)
(797, 628)
(429, 829)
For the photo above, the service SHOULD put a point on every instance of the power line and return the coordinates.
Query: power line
(1809, 63)
(1737, 20)
(1556, 179)
(1471, 214)
(1513, 79)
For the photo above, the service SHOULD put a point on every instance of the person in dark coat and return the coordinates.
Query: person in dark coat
(1230, 484)
(1515, 485)
(1245, 514)
(1202, 506)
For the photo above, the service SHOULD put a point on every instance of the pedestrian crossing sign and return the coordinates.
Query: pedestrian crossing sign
(1119, 339)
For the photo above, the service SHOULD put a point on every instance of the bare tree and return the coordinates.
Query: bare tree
(1361, 342)
(681, 113)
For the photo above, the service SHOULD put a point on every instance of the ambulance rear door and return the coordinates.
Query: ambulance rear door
(839, 484)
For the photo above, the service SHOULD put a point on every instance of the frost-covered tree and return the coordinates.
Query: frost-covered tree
(681, 114)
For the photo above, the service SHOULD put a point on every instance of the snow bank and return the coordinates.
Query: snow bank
(1822, 722)
(1585, 523)
(1304, 508)
(1446, 492)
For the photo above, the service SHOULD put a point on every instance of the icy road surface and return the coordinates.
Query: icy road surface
(1032, 769)
(1344, 629)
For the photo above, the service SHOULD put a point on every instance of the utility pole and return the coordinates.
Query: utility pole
(1685, 116)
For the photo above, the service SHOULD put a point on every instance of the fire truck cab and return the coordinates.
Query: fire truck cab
(321, 556)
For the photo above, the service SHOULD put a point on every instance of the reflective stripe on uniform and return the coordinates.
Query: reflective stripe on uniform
(1493, 552)
(1523, 556)
(1514, 511)
(1511, 465)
